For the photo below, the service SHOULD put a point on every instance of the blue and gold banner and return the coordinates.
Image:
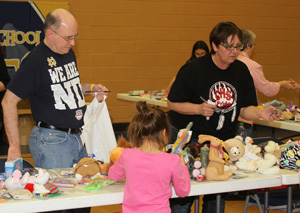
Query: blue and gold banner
(21, 28)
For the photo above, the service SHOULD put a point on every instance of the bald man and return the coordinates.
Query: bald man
(49, 77)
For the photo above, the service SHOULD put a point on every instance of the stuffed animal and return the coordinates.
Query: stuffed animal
(246, 164)
(116, 153)
(215, 167)
(40, 181)
(16, 181)
(271, 147)
(267, 166)
(250, 147)
(290, 157)
(184, 136)
(192, 164)
(87, 167)
(34, 184)
(286, 115)
(235, 148)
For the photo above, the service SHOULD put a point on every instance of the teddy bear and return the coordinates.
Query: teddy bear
(87, 167)
(215, 167)
(234, 148)
(246, 164)
(268, 165)
(271, 147)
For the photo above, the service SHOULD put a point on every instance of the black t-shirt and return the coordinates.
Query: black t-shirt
(230, 89)
(52, 84)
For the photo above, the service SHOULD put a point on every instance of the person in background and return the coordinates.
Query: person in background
(212, 92)
(261, 84)
(148, 170)
(49, 77)
(4, 80)
(200, 49)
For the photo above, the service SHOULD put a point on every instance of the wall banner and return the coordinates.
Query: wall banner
(21, 28)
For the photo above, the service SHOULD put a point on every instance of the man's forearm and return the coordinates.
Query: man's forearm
(10, 115)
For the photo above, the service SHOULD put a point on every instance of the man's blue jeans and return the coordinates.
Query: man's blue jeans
(55, 149)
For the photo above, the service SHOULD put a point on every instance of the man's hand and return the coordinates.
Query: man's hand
(100, 95)
(13, 152)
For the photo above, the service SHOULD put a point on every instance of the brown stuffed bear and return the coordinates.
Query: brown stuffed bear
(234, 148)
(87, 167)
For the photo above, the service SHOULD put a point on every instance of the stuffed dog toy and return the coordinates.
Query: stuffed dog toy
(215, 167)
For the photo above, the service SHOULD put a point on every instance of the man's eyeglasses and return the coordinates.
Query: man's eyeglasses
(231, 47)
(68, 39)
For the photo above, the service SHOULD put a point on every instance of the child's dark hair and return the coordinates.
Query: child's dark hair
(148, 124)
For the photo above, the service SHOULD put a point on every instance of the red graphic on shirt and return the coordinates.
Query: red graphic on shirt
(223, 95)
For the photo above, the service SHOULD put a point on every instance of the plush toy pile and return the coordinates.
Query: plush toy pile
(24, 187)
(264, 160)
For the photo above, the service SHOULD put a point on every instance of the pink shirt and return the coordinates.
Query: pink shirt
(148, 180)
(261, 83)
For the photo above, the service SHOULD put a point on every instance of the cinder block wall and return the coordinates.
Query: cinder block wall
(141, 44)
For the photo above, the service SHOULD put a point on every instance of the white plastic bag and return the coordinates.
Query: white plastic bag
(98, 135)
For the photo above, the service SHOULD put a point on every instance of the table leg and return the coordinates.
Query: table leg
(289, 198)
(197, 202)
(266, 200)
(218, 202)
(254, 133)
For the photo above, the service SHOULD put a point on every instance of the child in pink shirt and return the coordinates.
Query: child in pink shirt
(148, 170)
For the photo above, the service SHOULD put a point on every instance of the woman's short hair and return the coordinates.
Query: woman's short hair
(248, 38)
(148, 124)
(221, 32)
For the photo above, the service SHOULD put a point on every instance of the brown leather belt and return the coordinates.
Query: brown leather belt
(68, 130)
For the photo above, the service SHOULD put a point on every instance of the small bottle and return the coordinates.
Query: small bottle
(204, 155)
(242, 131)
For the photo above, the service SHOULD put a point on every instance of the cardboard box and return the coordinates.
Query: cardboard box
(12, 165)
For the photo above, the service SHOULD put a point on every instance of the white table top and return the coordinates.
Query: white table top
(287, 125)
(70, 199)
(125, 96)
(253, 181)
(113, 194)
(289, 177)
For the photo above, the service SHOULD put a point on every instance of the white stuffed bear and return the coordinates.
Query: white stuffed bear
(271, 147)
(246, 164)
(266, 165)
